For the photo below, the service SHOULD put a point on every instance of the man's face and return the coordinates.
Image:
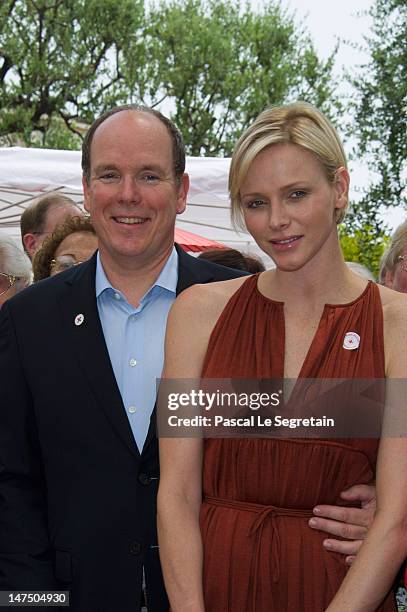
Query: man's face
(55, 215)
(133, 197)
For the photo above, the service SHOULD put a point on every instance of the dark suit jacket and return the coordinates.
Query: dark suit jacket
(77, 500)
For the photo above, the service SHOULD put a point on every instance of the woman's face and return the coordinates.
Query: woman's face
(75, 248)
(289, 205)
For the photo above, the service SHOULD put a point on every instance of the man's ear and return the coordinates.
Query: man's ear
(182, 193)
(341, 186)
(29, 242)
(85, 187)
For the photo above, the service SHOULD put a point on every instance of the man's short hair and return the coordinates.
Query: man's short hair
(178, 147)
(34, 217)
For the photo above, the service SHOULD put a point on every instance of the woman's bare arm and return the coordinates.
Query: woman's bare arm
(179, 502)
(190, 323)
(385, 547)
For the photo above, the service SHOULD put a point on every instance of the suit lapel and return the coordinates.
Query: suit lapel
(191, 271)
(90, 348)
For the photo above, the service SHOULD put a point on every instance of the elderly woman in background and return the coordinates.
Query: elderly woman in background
(71, 243)
(15, 269)
(393, 266)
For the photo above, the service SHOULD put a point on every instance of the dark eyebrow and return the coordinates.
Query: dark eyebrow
(104, 167)
(152, 168)
(296, 184)
(146, 168)
(254, 194)
(300, 184)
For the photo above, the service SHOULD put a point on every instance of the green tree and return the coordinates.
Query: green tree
(62, 62)
(211, 64)
(380, 106)
(220, 65)
(365, 245)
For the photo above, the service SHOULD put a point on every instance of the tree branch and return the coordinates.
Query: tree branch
(7, 64)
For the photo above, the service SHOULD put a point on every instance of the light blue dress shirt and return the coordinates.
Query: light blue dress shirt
(135, 341)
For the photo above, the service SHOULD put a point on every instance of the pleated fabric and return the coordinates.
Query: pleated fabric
(260, 555)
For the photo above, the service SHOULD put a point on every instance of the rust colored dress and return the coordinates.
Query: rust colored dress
(259, 553)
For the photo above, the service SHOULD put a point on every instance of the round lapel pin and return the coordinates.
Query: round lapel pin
(351, 341)
(79, 319)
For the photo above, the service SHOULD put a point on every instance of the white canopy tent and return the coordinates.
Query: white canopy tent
(28, 173)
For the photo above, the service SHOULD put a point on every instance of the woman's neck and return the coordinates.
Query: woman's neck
(326, 279)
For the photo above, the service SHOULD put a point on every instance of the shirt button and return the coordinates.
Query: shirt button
(132, 409)
(144, 479)
(117, 296)
(133, 362)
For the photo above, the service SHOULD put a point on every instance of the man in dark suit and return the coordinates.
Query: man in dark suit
(78, 471)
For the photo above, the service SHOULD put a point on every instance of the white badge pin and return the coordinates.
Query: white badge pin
(79, 319)
(351, 341)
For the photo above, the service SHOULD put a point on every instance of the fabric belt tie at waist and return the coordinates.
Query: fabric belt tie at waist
(256, 529)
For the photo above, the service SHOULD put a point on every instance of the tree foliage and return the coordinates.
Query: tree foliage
(364, 245)
(212, 65)
(380, 107)
(221, 65)
(61, 62)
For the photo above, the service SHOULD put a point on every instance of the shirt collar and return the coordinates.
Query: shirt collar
(167, 279)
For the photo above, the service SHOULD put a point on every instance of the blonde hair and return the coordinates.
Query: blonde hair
(391, 256)
(301, 124)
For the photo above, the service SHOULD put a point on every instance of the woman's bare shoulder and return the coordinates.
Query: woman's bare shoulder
(395, 331)
(197, 309)
(394, 302)
(191, 321)
(210, 298)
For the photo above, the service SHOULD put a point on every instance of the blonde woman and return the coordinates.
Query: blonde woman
(233, 513)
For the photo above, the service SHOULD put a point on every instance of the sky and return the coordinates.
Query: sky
(347, 22)
(329, 22)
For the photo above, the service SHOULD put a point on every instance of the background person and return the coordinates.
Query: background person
(41, 218)
(233, 513)
(232, 258)
(15, 269)
(71, 243)
(360, 269)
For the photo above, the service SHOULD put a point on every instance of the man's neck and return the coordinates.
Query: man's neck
(134, 278)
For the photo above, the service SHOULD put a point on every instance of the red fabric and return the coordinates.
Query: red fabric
(260, 555)
(192, 242)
